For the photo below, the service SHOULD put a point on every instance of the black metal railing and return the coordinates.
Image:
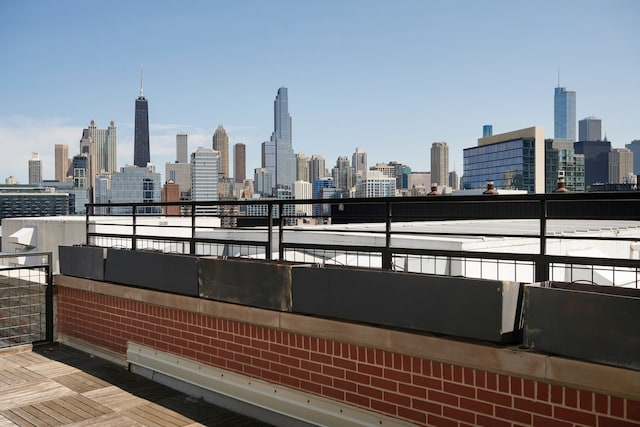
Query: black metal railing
(523, 238)
(26, 299)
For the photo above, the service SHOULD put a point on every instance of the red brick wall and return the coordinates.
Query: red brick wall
(422, 391)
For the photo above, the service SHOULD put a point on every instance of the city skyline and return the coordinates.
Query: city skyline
(342, 96)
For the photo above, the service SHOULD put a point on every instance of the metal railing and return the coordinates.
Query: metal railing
(530, 237)
(26, 299)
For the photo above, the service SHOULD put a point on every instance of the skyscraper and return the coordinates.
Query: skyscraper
(317, 168)
(440, 163)
(61, 152)
(35, 169)
(103, 147)
(564, 114)
(277, 153)
(239, 162)
(596, 161)
(141, 155)
(634, 146)
(221, 145)
(620, 165)
(204, 177)
(182, 148)
(342, 173)
(302, 167)
(590, 129)
(359, 163)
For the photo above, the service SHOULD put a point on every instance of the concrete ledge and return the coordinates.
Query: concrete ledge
(488, 357)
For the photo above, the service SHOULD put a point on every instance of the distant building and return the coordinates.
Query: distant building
(303, 168)
(11, 180)
(317, 168)
(454, 180)
(221, 145)
(103, 147)
(513, 161)
(277, 154)
(32, 201)
(182, 148)
(590, 129)
(171, 193)
(204, 178)
(440, 163)
(561, 161)
(343, 174)
(180, 174)
(376, 184)
(35, 169)
(564, 114)
(141, 153)
(487, 130)
(634, 146)
(61, 154)
(263, 182)
(134, 184)
(620, 166)
(303, 190)
(596, 161)
(239, 162)
(359, 163)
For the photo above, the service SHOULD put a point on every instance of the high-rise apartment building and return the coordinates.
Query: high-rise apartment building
(135, 185)
(303, 168)
(239, 162)
(317, 168)
(440, 163)
(141, 154)
(342, 173)
(303, 190)
(182, 148)
(376, 184)
(35, 169)
(564, 114)
(561, 161)
(620, 166)
(590, 129)
(512, 160)
(634, 146)
(61, 153)
(596, 161)
(103, 147)
(221, 145)
(359, 163)
(263, 182)
(277, 153)
(205, 171)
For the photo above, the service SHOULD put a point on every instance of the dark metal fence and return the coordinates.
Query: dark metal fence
(26, 299)
(588, 237)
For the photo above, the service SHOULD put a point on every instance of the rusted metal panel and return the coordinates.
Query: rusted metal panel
(153, 270)
(470, 308)
(588, 322)
(255, 283)
(82, 261)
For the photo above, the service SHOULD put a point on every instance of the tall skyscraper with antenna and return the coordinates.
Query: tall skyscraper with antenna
(278, 156)
(141, 155)
(564, 113)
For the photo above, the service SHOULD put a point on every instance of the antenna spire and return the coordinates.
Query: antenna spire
(141, 87)
(558, 76)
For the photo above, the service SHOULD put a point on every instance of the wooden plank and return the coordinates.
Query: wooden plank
(81, 403)
(31, 393)
(143, 415)
(81, 382)
(53, 369)
(43, 418)
(26, 418)
(18, 375)
(57, 411)
(166, 414)
(15, 419)
(108, 420)
(115, 398)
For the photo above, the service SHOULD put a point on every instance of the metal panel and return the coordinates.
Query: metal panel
(444, 305)
(250, 282)
(82, 261)
(153, 270)
(584, 323)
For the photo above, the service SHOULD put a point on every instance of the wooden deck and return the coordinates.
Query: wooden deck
(60, 386)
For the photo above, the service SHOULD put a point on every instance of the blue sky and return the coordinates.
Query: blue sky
(391, 77)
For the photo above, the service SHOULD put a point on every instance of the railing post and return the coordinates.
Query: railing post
(280, 231)
(133, 233)
(48, 295)
(269, 247)
(542, 262)
(387, 259)
(86, 224)
(192, 242)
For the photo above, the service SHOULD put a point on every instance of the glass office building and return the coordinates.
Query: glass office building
(135, 185)
(564, 114)
(513, 161)
(561, 161)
